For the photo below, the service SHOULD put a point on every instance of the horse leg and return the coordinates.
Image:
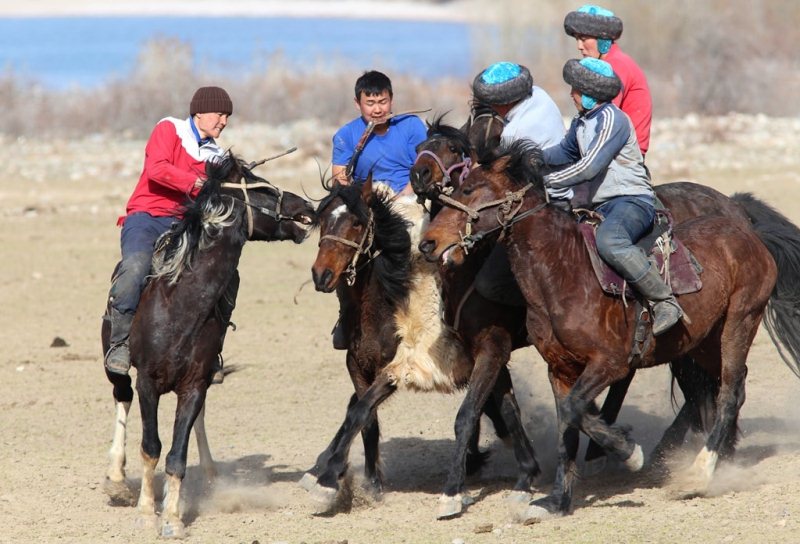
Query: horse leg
(370, 436)
(699, 393)
(735, 340)
(358, 416)
(595, 458)
(524, 453)
(189, 407)
(115, 485)
(204, 452)
(559, 501)
(575, 413)
(151, 448)
(309, 479)
(491, 409)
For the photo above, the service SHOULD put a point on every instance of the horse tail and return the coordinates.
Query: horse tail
(782, 239)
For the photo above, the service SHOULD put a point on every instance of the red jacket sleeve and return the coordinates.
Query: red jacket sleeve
(160, 157)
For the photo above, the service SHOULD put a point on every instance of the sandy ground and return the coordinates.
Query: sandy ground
(58, 204)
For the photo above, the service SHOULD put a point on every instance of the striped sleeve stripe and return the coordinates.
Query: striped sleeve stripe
(583, 164)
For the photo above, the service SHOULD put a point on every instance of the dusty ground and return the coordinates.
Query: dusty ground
(267, 423)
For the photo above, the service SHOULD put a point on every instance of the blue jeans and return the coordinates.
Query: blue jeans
(139, 235)
(627, 220)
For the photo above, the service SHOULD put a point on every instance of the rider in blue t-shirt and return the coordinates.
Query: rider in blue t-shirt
(388, 152)
(390, 149)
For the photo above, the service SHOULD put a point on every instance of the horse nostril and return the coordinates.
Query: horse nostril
(427, 246)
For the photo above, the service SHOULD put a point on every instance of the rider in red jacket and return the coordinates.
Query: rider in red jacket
(596, 29)
(174, 172)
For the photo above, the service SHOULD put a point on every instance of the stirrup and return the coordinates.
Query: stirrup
(120, 364)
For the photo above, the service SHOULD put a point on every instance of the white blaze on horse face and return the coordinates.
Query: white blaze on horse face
(337, 212)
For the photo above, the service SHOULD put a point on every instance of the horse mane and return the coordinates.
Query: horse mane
(438, 127)
(521, 160)
(203, 220)
(479, 107)
(392, 266)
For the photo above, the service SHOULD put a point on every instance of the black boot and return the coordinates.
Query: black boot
(117, 359)
(225, 310)
(666, 310)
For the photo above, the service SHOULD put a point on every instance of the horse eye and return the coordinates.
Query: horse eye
(452, 149)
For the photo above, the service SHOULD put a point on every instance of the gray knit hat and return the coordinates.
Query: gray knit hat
(593, 77)
(211, 100)
(593, 21)
(503, 83)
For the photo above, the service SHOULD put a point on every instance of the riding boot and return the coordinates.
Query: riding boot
(225, 308)
(117, 359)
(666, 310)
(341, 332)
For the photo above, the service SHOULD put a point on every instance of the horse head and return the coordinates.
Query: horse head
(486, 203)
(346, 225)
(443, 161)
(361, 229)
(484, 127)
(270, 213)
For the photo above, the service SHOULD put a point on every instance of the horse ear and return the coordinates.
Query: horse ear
(366, 189)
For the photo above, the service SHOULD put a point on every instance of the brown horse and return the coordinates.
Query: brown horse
(444, 160)
(177, 331)
(585, 336)
(365, 254)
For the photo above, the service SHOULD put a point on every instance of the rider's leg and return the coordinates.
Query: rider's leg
(225, 307)
(627, 219)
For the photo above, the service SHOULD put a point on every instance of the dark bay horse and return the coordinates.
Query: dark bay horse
(177, 332)
(365, 254)
(448, 154)
(586, 337)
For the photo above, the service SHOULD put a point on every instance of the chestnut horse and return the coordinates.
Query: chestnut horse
(365, 254)
(444, 160)
(177, 332)
(585, 336)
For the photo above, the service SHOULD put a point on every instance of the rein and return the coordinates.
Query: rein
(244, 186)
(507, 215)
(362, 248)
(465, 164)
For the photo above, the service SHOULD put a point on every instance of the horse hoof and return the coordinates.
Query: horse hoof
(517, 502)
(119, 493)
(635, 462)
(173, 529)
(451, 507)
(535, 514)
(324, 497)
(595, 466)
(308, 481)
(146, 522)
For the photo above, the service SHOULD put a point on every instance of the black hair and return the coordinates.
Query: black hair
(373, 83)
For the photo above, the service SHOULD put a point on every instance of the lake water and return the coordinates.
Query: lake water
(86, 51)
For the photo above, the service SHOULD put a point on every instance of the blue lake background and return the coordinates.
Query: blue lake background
(87, 51)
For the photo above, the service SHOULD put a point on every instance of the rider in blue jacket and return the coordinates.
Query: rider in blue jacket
(601, 150)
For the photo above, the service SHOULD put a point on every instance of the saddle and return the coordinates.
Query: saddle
(681, 273)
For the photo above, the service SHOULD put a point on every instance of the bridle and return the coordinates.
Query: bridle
(445, 186)
(363, 247)
(508, 209)
(245, 187)
(493, 116)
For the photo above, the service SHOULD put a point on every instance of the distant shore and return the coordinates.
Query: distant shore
(364, 9)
